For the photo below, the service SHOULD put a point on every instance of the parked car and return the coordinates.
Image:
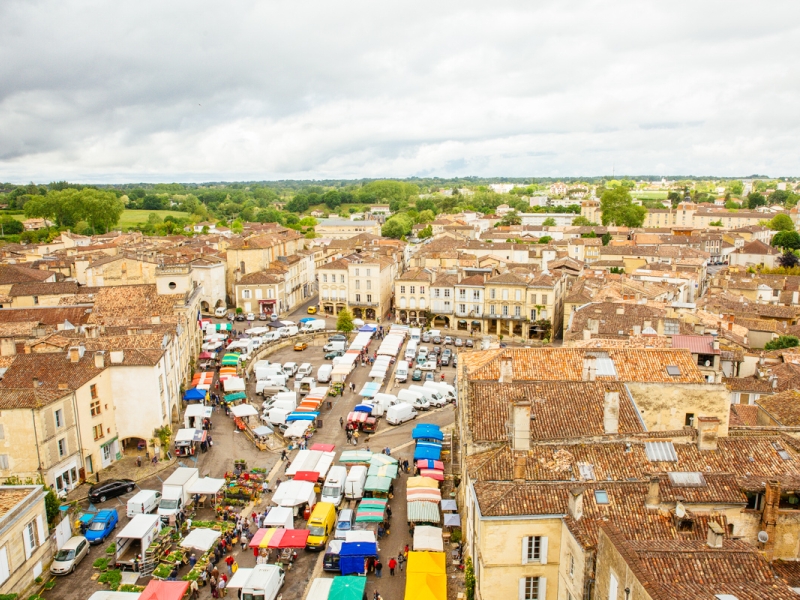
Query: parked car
(300, 346)
(240, 317)
(428, 365)
(111, 488)
(262, 317)
(273, 317)
(426, 337)
(459, 342)
(338, 337)
(220, 312)
(445, 360)
(448, 340)
(251, 316)
(71, 554)
(437, 350)
(437, 339)
(101, 526)
(312, 310)
(333, 354)
(429, 376)
(447, 352)
(231, 316)
(469, 344)
(416, 375)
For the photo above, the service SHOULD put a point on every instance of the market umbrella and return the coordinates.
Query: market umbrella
(449, 505)
(262, 431)
(452, 520)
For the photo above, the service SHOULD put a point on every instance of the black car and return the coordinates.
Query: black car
(110, 489)
(337, 338)
(241, 317)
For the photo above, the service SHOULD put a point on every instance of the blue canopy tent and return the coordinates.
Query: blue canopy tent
(368, 328)
(364, 408)
(307, 319)
(427, 432)
(352, 555)
(301, 416)
(194, 394)
(370, 389)
(427, 452)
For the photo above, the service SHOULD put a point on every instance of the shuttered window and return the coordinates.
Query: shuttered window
(534, 550)
(532, 588)
(5, 570)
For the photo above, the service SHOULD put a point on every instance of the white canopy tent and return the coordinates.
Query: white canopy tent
(206, 485)
(279, 516)
(234, 384)
(196, 411)
(244, 410)
(294, 493)
(297, 429)
(201, 539)
(363, 535)
(428, 539)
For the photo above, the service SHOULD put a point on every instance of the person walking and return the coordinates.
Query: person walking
(194, 590)
(221, 588)
(244, 541)
(341, 422)
(392, 566)
(400, 560)
(378, 568)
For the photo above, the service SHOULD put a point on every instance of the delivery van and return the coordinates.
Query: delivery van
(305, 370)
(145, 501)
(354, 484)
(400, 413)
(290, 368)
(432, 395)
(333, 488)
(330, 562)
(415, 333)
(264, 583)
(269, 388)
(324, 373)
(415, 399)
(321, 524)
(401, 374)
(445, 389)
(411, 351)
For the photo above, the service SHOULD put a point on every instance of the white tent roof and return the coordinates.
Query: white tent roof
(279, 516)
(239, 579)
(198, 410)
(185, 435)
(234, 384)
(201, 539)
(296, 429)
(363, 535)
(244, 410)
(292, 493)
(206, 485)
(428, 539)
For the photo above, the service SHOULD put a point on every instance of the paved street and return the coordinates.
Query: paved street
(230, 445)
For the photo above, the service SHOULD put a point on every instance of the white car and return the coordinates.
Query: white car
(70, 555)
(428, 365)
(251, 317)
(422, 353)
(220, 312)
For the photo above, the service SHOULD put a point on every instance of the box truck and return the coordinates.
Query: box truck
(175, 491)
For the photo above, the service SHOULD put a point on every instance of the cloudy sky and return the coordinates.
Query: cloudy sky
(196, 90)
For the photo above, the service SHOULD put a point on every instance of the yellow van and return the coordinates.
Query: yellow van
(321, 524)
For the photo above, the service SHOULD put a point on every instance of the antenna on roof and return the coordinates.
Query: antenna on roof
(763, 537)
(680, 511)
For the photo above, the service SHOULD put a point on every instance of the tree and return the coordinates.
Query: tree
(781, 223)
(754, 200)
(9, 226)
(618, 209)
(426, 216)
(582, 221)
(606, 237)
(397, 226)
(344, 322)
(426, 233)
(545, 239)
(784, 341)
(788, 260)
(549, 222)
(786, 239)
(715, 223)
(736, 188)
(511, 218)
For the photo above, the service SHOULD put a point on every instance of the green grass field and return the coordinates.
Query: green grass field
(131, 218)
(649, 194)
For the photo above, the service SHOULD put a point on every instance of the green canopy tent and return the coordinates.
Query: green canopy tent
(378, 484)
(349, 587)
(371, 510)
(389, 471)
(235, 396)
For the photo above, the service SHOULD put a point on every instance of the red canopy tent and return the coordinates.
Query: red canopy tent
(164, 590)
(357, 417)
(311, 476)
(205, 355)
(323, 447)
(292, 538)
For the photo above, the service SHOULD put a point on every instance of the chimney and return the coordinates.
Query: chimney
(155, 320)
(589, 368)
(775, 383)
(653, 499)
(576, 502)
(715, 344)
(100, 359)
(74, 354)
(8, 347)
(36, 382)
(91, 331)
(769, 516)
(621, 310)
(707, 430)
(611, 412)
(519, 467)
(521, 423)
(506, 370)
(715, 535)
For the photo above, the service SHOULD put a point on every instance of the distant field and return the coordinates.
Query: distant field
(649, 194)
(131, 218)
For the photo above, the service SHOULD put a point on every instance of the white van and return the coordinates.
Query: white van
(400, 413)
(305, 370)
(433, 396)
(354, 484)
(411, 350)
(270, 388)
(415, 333)
(415, 399)
(333, 489)
(422, 353)
(220, 312)
(447, 390)
(290, 368)
(401, 374)
(324, 373)
(145, 501)
(381, 403)
(264, 583)
(288, 331)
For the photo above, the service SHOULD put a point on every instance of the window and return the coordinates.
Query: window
(505, 294)
(492, 294)
(93, 390)
(246, 294)
(601, 496)
(324, 278)
(476, 294)
(369, 297)
(462, 294)
(269, 293)
(571, 565)
(2, 432)
(447, 293)
(62, 447)
(505, 310)
(689, 421)
(422, 289)
(517, 310)
(517, 295)
(412, 289)
(161, 384)
(544, 298)
(341, 278)
(259, 294)
(532, 588)
(612, 586)
(36, 299)
(436, 292)
(95, 408)
(402, 289)
(59, 417)
(358, 297)
(462, 308)
(534, 549)
(4, 461)
(491, 309)
(5, 571)
(369, 284)
(29, 535)
(369, 272)
(358, 284)
(356, 272)
(97, 430)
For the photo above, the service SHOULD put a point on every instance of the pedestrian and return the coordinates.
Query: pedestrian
(400, 560)
(192, 561)
(244, 541)
(392, 566)
(283, 454)
(229, 562)
(405, 465)
(377, 596)
(173, 575)
(405, 552)
(212, 583)
(221, 588)
(389, 511)
(378, 567)
(341, 422)
(194, 589)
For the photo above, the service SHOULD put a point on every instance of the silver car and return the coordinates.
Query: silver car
(70, 555)
(448, 340)
(344, 523)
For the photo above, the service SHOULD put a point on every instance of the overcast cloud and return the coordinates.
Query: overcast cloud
(197, 90)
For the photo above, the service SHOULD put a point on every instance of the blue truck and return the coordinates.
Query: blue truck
(101, 526)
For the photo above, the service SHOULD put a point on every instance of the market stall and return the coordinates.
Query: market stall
(194, 395)
(428, 539)
(233, 384)
(423, 512)
(187, 441)
(164, 590)
(279, 516)
(348, 588)
(426, 450)
(295, 494)
(426, 576)
(235, 397)
(370, 389)
(201, 539)
(389, 471)
(194, 415)
(297, 429)
(353, 558)
(207, 486)
(378, 487)
(371, 510)
(242, 485)
(242, 411)
(362, 457)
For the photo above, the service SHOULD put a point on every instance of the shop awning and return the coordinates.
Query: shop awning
(452, 520)
(378, 484)
(164, 590)
(428, 539)
(427, 452)
(423, 512)
(449, 505)
(244, 410)
(365, 408)
(357, 417)
(201, 539)
(235, 396)
(291, 538)
(423, 494)
(294, 493)
(301, 416)
(297, 429)
(348, 588)
(421, 482)
(370, 389)
(427, 431)
(194, 394)
(432, 473)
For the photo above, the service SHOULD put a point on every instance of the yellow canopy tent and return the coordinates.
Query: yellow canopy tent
(422, 482)
(426, 576)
